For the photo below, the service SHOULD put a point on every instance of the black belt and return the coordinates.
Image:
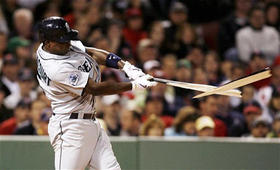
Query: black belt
(85, 116)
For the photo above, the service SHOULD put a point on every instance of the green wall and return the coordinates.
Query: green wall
(25, 152)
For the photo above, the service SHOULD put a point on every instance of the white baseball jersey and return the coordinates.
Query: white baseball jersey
(63, 79)
(77, 143)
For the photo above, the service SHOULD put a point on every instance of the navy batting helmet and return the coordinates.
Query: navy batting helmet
(56, 29)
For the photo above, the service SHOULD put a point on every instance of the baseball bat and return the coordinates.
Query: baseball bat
(263, 74)
(197, 87)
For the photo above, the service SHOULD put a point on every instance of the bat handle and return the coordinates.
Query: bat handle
(160, 80)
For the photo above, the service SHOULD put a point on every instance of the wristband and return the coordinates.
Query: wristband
(112, 60)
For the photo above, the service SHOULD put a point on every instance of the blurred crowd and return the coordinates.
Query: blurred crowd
(206, 42)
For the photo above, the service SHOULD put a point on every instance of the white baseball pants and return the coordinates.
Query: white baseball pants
(80, 143)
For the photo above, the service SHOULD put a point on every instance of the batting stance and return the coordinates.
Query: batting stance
(70, 77)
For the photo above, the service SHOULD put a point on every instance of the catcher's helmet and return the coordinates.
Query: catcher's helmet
(56, 29)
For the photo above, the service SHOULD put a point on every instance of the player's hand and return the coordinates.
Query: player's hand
(143, 82)
(132, 72)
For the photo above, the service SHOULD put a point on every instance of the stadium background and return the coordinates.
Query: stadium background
(199, 41)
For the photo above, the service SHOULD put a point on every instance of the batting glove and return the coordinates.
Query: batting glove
(132, 72)
(143, 82)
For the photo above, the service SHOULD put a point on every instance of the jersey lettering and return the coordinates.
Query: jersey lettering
(41, 73)
(85, 67)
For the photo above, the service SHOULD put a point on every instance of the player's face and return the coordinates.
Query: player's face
(59, 48)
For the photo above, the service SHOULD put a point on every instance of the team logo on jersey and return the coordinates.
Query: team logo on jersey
(73, 79)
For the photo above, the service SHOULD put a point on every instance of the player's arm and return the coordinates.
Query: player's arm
(102, 57)
(106, 88)
(112, 60)
(109, 87)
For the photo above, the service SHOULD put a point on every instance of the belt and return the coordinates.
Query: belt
(82, 116)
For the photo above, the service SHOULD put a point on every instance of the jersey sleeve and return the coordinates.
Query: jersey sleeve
(71, 79)
(78, 45)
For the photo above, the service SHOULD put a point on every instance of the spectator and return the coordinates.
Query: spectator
(184, 74)
(25, 89)
(188, 39)
(111, 112)
(78, 9)
(32, 126)
(211, 67)
(178, 16)
(260, 129)
(232, 71)
(52, 9)
(29, 4)
(171, 103)
(83, 27)
(258, 63)
(152, 127)
(155, 106)
(184, 123)
(94, 16)
(44, 121)
(117, 43)
(228, 28)
(95, 35)
(237, 71)
(147, 50)
(169, 65)
(248, 93)
(26, 83)
(199, 76)
(275, 133)
(118, 9)
(272, 11)
(20, 47)
(151, 67)
(9, 7)
(102, 42)
(157, 34)
(133, 31)
(205, 126)
(130, 123)
(23, 20)
(196, 56)
(19, 119)
(226, 70)
(251, 112)
(143, 6)
(274, 104)
(208, 107)
(257, 37)
(184, 71)
(234, 120)
(265, 93)
(9, 79)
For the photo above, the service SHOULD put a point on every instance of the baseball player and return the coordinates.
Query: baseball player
(69, 74)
